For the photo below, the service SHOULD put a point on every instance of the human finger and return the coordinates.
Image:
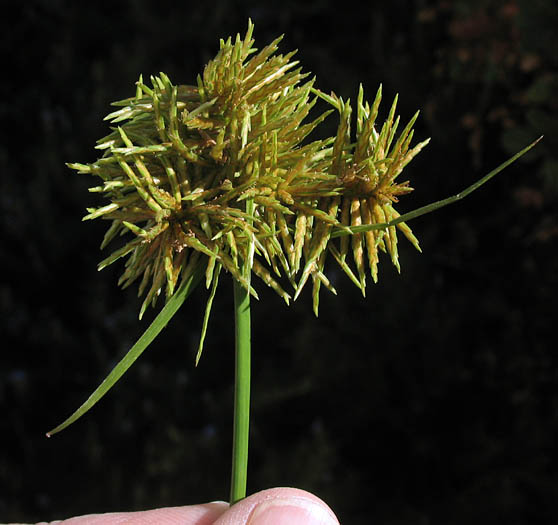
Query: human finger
(204, 514)
(279, 506)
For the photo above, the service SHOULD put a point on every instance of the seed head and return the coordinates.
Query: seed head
(366, 172)
(221, 174)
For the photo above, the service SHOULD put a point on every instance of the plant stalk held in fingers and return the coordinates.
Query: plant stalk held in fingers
(223, 177)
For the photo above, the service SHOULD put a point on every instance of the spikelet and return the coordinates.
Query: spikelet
(366, 169)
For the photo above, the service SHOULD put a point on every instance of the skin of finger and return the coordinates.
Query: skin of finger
(205, 514)
(241, 512)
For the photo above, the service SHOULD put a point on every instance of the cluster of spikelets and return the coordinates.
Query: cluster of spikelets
(222, 175)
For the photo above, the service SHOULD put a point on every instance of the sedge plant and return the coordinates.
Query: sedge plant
(222, 176)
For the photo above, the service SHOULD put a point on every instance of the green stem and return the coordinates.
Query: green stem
(241, 393)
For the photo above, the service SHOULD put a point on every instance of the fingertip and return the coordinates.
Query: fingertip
(279, 506)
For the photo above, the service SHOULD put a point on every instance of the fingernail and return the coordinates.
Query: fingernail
(291, 512)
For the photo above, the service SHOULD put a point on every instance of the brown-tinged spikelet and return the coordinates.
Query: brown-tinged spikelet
(366, 170)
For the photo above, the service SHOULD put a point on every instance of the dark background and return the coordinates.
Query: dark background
(434, 400)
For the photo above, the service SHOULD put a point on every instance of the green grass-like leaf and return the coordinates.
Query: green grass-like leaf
(165, 315)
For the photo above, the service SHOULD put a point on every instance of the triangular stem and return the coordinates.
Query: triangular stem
(241, 393)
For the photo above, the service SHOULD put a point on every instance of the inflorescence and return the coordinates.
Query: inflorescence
(221, 174)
